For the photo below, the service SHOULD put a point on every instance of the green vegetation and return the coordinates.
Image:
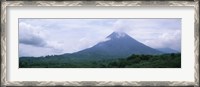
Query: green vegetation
(172, 60)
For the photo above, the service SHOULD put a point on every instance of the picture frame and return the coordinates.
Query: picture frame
(4, 38)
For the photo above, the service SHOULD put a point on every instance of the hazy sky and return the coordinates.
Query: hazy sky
(40, 37)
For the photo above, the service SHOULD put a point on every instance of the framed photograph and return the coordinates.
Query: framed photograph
(100, 43)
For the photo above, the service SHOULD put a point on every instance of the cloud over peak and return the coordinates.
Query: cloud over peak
(58, 36)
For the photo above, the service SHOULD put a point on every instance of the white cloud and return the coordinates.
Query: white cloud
(170, 39)
(39, 37)
(156, 33)
(30, 35)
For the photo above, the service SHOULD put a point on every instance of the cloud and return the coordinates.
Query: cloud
(33, 51)
(104, 40)
(32, 38)
(170, 39)
(29, 36)
(121, 25)
(156, 33)
(59, 36)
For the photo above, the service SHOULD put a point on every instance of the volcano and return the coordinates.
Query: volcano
(118, 45)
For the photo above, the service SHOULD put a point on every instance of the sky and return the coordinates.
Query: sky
(41, 37)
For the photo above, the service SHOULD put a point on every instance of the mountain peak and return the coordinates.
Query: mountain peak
(117, 35)
(119, 45)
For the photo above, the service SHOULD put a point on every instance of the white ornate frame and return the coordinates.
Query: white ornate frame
(5, 4)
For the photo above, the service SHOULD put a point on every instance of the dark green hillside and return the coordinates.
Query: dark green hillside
(172, 60)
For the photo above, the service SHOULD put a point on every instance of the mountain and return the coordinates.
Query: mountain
(118, 45)
(167, 50)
